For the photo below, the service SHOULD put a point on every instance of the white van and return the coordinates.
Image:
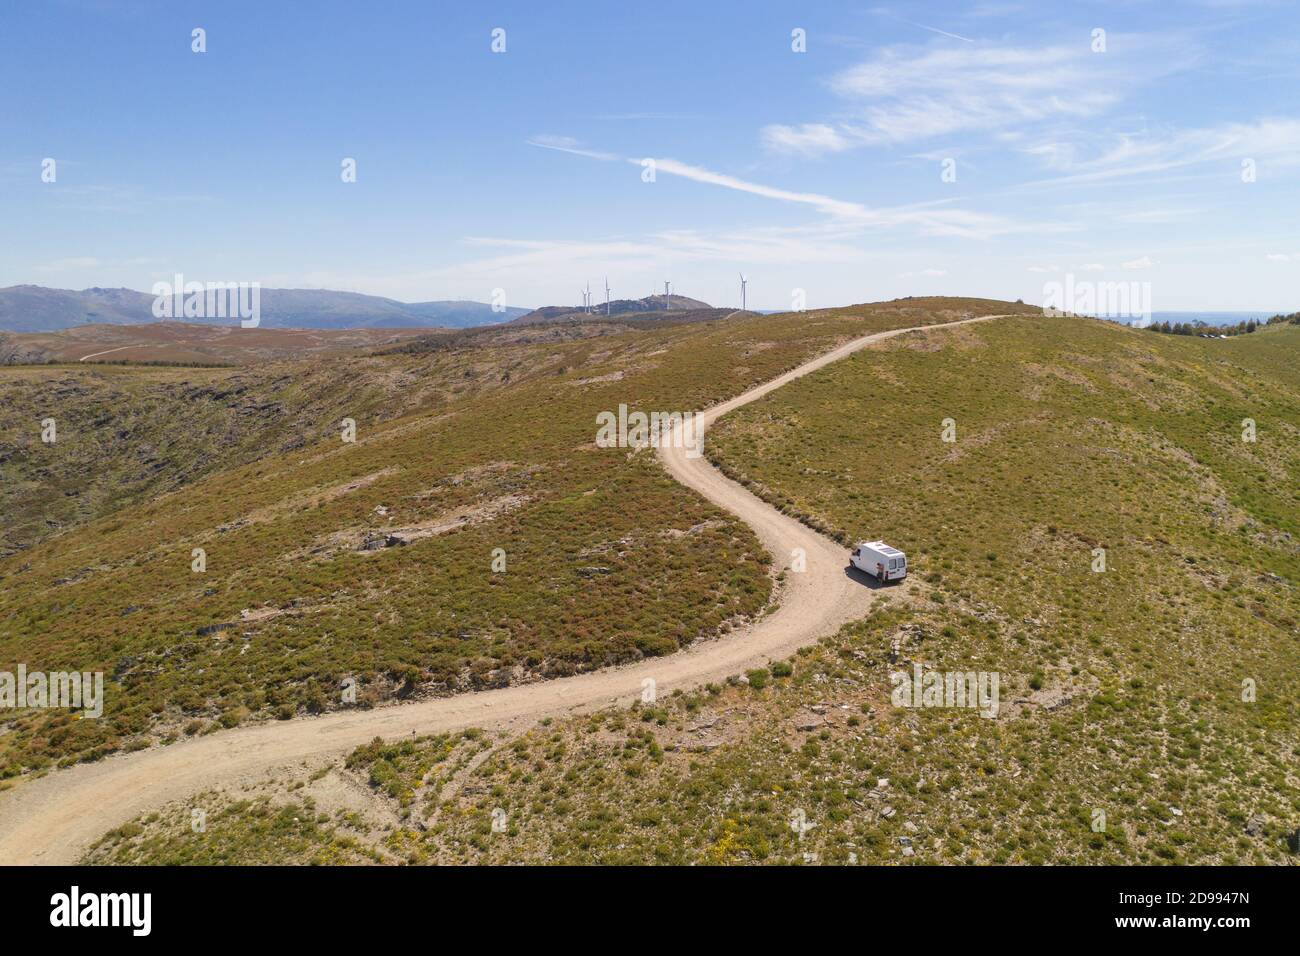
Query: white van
(879, 560)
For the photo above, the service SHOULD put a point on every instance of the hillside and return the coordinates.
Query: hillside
(1122, 688)
(185, 343)
(652, 306)
(125, 435)
(312, 542)
(29, 308)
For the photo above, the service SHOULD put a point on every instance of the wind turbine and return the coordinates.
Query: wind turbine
(586, 297)
(668, 296)
(607, 296)
(743, 280)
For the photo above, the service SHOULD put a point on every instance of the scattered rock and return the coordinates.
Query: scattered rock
(1255, 825)
(887, 812)
(807, 722)
(122, 666)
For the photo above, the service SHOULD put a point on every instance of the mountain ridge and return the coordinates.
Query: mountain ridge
(646, 304)
(34, 308)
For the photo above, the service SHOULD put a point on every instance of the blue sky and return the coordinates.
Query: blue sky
(521, 170)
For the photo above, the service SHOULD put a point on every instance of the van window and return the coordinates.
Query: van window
(893, 564)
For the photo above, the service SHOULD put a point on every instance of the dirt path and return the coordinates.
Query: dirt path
(118, 349)
(54, 819)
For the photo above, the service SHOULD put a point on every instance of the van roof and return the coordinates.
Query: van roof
(880, 546)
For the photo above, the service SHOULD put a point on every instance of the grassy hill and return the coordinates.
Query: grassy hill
(652, 306)
(1122, 735)
(327, 560)
(181, 343)
(125, 434)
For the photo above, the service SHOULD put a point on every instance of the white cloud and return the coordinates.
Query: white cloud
(944, 33)
(931, 219)
(934, 218)
(1268, 142)
(826, 204)
(71, 264)
(567, 144)
(1143, 263)
(908, 93)
(1282, 257)
(1054, 155)
(809, 139)
(926, 273)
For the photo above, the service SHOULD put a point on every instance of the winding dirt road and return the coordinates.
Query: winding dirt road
(54, 819)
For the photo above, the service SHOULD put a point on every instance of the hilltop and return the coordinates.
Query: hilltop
(641, 308)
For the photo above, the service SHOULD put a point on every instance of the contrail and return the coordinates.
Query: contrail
(955, 36)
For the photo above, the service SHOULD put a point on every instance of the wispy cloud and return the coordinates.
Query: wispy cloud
(71, 264)
(907, 92)
(119, 199)
(567, 144)
(513, 262)
(932, 219)
(826, 204)
(636, 117)
(810, 139)
(1264, 142)
(939, 218)
(945, 33)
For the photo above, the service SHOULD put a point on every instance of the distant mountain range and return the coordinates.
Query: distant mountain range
(32, 308)
(651, 303)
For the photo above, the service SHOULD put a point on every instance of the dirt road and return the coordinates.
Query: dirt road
(120, 348)
(54, 819)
